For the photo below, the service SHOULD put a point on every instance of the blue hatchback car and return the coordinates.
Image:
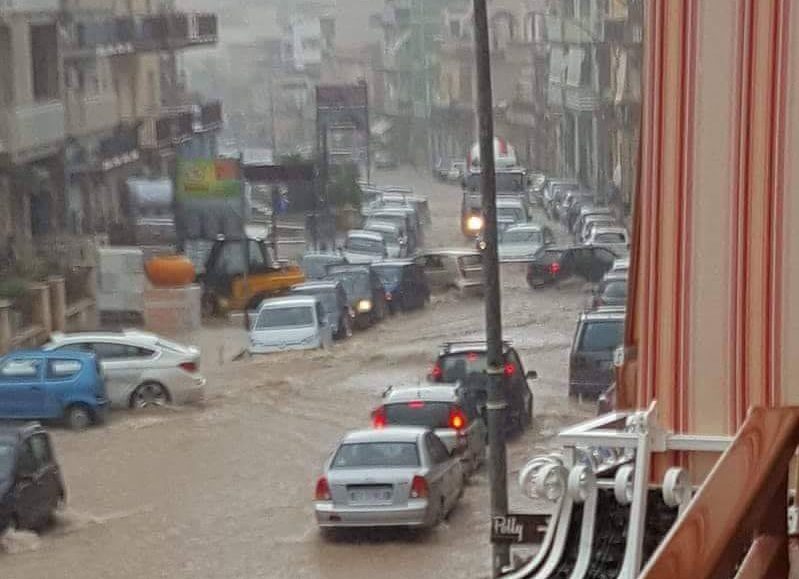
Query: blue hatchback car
(38, 385)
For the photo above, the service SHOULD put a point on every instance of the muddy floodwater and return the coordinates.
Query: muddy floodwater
(224, 491)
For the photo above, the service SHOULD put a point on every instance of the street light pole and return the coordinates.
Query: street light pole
(496, 404)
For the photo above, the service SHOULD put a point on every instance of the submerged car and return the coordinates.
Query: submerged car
(521, 242)
(364, 247)
(365, 292)
(461, 269)
(465, 362)
(511, 210)
(555, 264)
(389, 477)
(45, 385)
(405, 284)
(395, 241)
(615, 239)
(612, 291)
(335, 302)
(31, 485)
(141, 369)
(452, 412)
(314, 265)
(591, 368)
(289, 323)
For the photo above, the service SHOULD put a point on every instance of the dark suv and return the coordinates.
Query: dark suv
(465, 362)
(598, 334)
(553, 264)
(31, 487)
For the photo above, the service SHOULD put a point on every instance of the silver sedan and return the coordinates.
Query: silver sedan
(396, 476)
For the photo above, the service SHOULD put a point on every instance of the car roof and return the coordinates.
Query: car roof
(509, 201)
(348, 268)
(126, 335)
(458, 252)
(392, 263)
(321, 284)
(526, 227)
(365, 234)
(389, 434)
(596, 210)
(615, 276)
(377, 225)
(288, 301)
(460, 347)
(63, 355)
(599, 230)
(603, 315)
(426, 393)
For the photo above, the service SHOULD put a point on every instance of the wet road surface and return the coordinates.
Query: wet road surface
(224, 491)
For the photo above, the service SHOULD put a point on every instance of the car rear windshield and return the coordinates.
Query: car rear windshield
(365, 245)
(315, 267)
(390, 276)
(418, 413)
(356, 283)
(456, 367)
(6, 459)
(376, 454)
(326, 296)
(510, 214)
(610, 238)
(390, 235)
(601, 336)
(285, 318)
(471, 260)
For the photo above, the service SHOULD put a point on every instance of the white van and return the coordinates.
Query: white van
(289, 323)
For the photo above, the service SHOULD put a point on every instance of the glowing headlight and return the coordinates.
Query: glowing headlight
(364, 306)
(474, 223)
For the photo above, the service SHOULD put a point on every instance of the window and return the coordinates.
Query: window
(601, 336)
(615, 290)
(231, 259)
(111, 351)
(44, 62)
(256, 257)
(320, 313)
(40, 445)
(611, 238)
(365, 245)
(458, 366)
(271, 318)
(522, 236)
(418, 413)
(6, 458)
(438, 452)
(376, 454)
(433, 262)
(390, 276)
(60, 369)
(20, 368)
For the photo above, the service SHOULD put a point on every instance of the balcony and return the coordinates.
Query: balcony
(104, 37)
(15, 6)
(32, 131)
(175, 31)
(582, 99)
(167, 131)
(87, 114)
(208, 117)
(104, 154)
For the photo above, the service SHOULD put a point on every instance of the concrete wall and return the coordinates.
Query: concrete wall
(713, 323)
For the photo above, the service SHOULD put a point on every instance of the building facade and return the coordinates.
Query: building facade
(91, 94)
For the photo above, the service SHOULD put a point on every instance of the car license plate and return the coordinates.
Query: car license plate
(370, 495)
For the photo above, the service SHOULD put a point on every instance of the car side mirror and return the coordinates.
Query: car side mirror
(532, 375)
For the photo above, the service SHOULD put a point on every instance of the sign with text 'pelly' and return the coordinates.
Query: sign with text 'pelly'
(521, 529)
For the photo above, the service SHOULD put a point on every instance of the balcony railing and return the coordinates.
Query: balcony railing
(107, 36)
(32, 131)
(208, 117)
(115, 150)
(174, 31)
(737, 523)
(167, 131)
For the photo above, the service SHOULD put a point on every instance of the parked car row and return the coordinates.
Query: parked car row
(410, 468)
(77, 377)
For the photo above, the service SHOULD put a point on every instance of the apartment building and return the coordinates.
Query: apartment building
(90, 94)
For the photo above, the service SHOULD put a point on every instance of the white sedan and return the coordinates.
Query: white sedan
(141, 369)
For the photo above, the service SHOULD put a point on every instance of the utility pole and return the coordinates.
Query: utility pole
(496, 404)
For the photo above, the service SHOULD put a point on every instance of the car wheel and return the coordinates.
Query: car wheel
(78, 417)
(149, 394)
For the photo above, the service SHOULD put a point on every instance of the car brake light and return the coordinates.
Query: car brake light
(436, 374)
(419, 488)
(379, 418)
(322, 490)
(509, 369)
(416, 404)
(388, 296)
(554, 268)
(472, 356)
(457, 420)
(190, 367)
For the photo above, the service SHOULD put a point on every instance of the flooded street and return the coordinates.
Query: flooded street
(225, 491)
